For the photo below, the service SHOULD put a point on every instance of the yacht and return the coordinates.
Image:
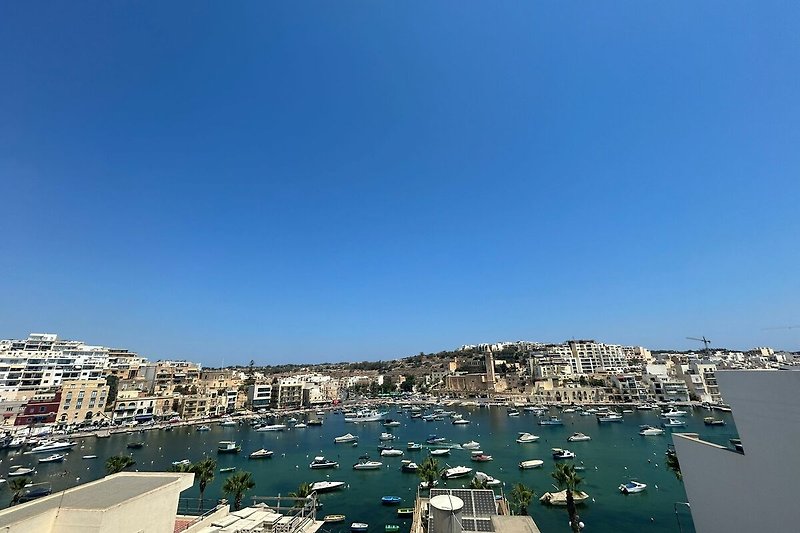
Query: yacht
(367, 464)
(21, 471)
(228, 446)
(672, 413)
(391, 452)
(632, 487)
(261, 454)
(456, 472)
(365, 416)
(674, 423)
(558, 453)
(471, 445)
(347, 437)
(54, 458)
(272, 427)
(610, 417)
(327, 486)
(440, 452)
(527, 437)
(648, 431)
(320, 462)
(552, 421)
(486, 478)
(53, 446)
(578, 437)
(386, 436)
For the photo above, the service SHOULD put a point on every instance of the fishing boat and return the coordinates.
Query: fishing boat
(434, 439)
(481, 457)
(674, 423)
(413, 446)
(272, 427)
(552, 421)
(359, 526)
(391, 452)
(409, 466)
(333, 518)
(440, 452)
(558, 453)
(471, 445)
(365, 416)
(632, 487)
(405, 511)
(525, 437)
(578, 437)
(610, 417)
(650, 431)
(386, 436)
(135, 445)
(327, 486)
(367, 464)
(263, 453)
(391, 500)
(228, 446)
(54, 458)
(203, 428)
(531, 463)
(21, 471)
(456, 472)
(54, 446)
(90, 457)
(184, 462)
(227, 469)
(487, 479)
(320, 462)
(711, 421)
(560, 498)
(347, 437)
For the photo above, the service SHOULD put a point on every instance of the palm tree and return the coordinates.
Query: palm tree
(237, 484)
(182, 467)
(478, 483)
(428, 471)
(566, 478)
(673, 464)
(204, 474)
(303, 491)
(17, 485)
(521, 497)
(118, 463)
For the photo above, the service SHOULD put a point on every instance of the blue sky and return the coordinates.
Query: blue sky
(309, 181)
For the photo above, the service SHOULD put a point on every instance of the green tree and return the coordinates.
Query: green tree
(428, 471)
(118, 463)
(303, 491)
(236, 485)
(478, 483)
(113, 387)
(408, 384)
(566, 478)
(521, 497)
(673, 464)
(204, 474)
(16, 486)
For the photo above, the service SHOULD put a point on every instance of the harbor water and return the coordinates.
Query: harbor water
(616, 454)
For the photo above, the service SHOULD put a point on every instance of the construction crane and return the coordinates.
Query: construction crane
(705, 342)
(781, 327)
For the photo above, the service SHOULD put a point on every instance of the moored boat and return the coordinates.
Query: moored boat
(405, 511)
(632, 487)
(674, 423)
(333, 518)
(578, 437)
(560, 498)
(367, 464)
(228, 446)
(347, 437)
(530, 463)
(471, 445)
(552, 421)
(610, 417)
(525, 437)
(558, 453)
(203, 428)
(327, 486)
(135, 445)
(54, 446)
(54, 458)
(649, 431)
(21, 471)
(440, 452)
(359, 526)
(391, 500)
(711, 421)
(409, 466)
(272, 427)
(263, 453)
(456, 472)
(391, 452)
(412, 446)
(320, 462)
(227, 469)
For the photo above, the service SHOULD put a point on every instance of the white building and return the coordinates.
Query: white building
(700, 378)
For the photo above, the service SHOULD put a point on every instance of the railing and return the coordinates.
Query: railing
(299, 510)
(193, 507)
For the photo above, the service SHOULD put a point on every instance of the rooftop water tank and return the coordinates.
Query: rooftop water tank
(445, 514)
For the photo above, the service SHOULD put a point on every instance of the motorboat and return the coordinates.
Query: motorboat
(632, 487)
(54, 458)
(272, 427)
(203, 428)
(405, 511)
(409, 466)
(327, 486)
(90, 457)
(552, 421)
(227, 469)
(367, 464)
(333, 518)
(315, 422)
(228, 446)
(320, 413)
(391, 452)
(429, 418)
(558, 453)
(672, 413)
(132, 445)
(650, 431)
(481, 457)
(54, 446)
(21, 471)
(16, 442)
(391, 500)
(460, 422)
(227, 423)
(433, 439)
(301, 425)
(471, 445)
(530, 463)
(487, 479)
(440, 452)
(512, 412)
(412, 446)
(560, 498)
(320, 462)
(347, 437)
(423, 485)
(184, 462)
(644, 407)
(416, 415)
(711, 421)
(365, 416)
(386, 436)
(291, 420)
(569, 410)
(456, 472)
(359, 526)
(610, 417)
(263, 453)
(578, 437)
(389, 423)
(674, 423)
(527, 437)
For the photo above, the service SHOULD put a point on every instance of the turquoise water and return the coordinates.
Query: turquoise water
(615, 454)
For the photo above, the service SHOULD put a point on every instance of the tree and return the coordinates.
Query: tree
(17, 485)
(429, 470)
(521, 497)
(204, 474)
(118, 463)
(303, 491)
(478, 483)
(673, 464)
(237, 484)
(113, 386)
(408, 384)
(566, 478)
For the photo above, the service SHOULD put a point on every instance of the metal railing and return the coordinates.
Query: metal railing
(187, 507)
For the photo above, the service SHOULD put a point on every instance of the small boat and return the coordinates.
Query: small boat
(672, 413)
(327, 486)
(413, 446)
(391, 528)
(333, 518)
(610, 417)
(21, 471)
(471, 445)
(456, 472)
(359, 526)
(674, 423)
(512, 412)
(367, 464)
(558, 453)
(391, 500)
(184, 462)
(460, 422)
(347, 437)
(135, 445)
(389, 423)
(228, 446)
(320, 413)
(433, 439)
(578, 437)
(648, 431)
(527, 437)
(486, 478)
(227, 469)
(319, 423)
(292, 420)
(632, 487)
(405, 511)
(227, 423)
(300, 426)
(409, 466)
(440, 452)
(90, 457)
(416, 415)
(423, 485)
(391, 452)
(203, 428)
(320, 462)
(481, 458)
(103, 434)
(54, 458)
(560, 498)
(531, 463)
(644, 407)
(552, 421)
(386, 436)
(263, 453)
(711, 421)
(272, 427)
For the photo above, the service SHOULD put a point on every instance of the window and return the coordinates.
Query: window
(41, 409)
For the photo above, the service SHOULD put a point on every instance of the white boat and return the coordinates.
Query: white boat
(320, 462)
(569, 410)
(272, 427)
(409, 466)
(632, 487)
(558, 453)
(53, 446)
(413, 446)
(347, 437)
(440, 452)
(471, 445)
(90, 457)
(301, 425)
(365, 416)
(228, 446)
(366, 464)
(560, 498)
(672, 413)
(54, 458)
(184, 462)
(456, 472)
(203, 428)
(326, 486)
(578, 437)
(513, 412)
(531, 463)
(261, 454)
(389, 423)
(527, 437)
(644, 407)
(486, 478)
(227, 423)
(423, 485)
(610, 417)
(21, 471)
(391, 453)
(674, 423)
(460, 422)
(386, 436)
(648, 431)
(552, 421)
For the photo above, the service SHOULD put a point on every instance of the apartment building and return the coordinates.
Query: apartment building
(288, 394)
(701, 380)
(259, 396)
(629, 388)
(41, 409)
(130, 407)
(82, 401)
